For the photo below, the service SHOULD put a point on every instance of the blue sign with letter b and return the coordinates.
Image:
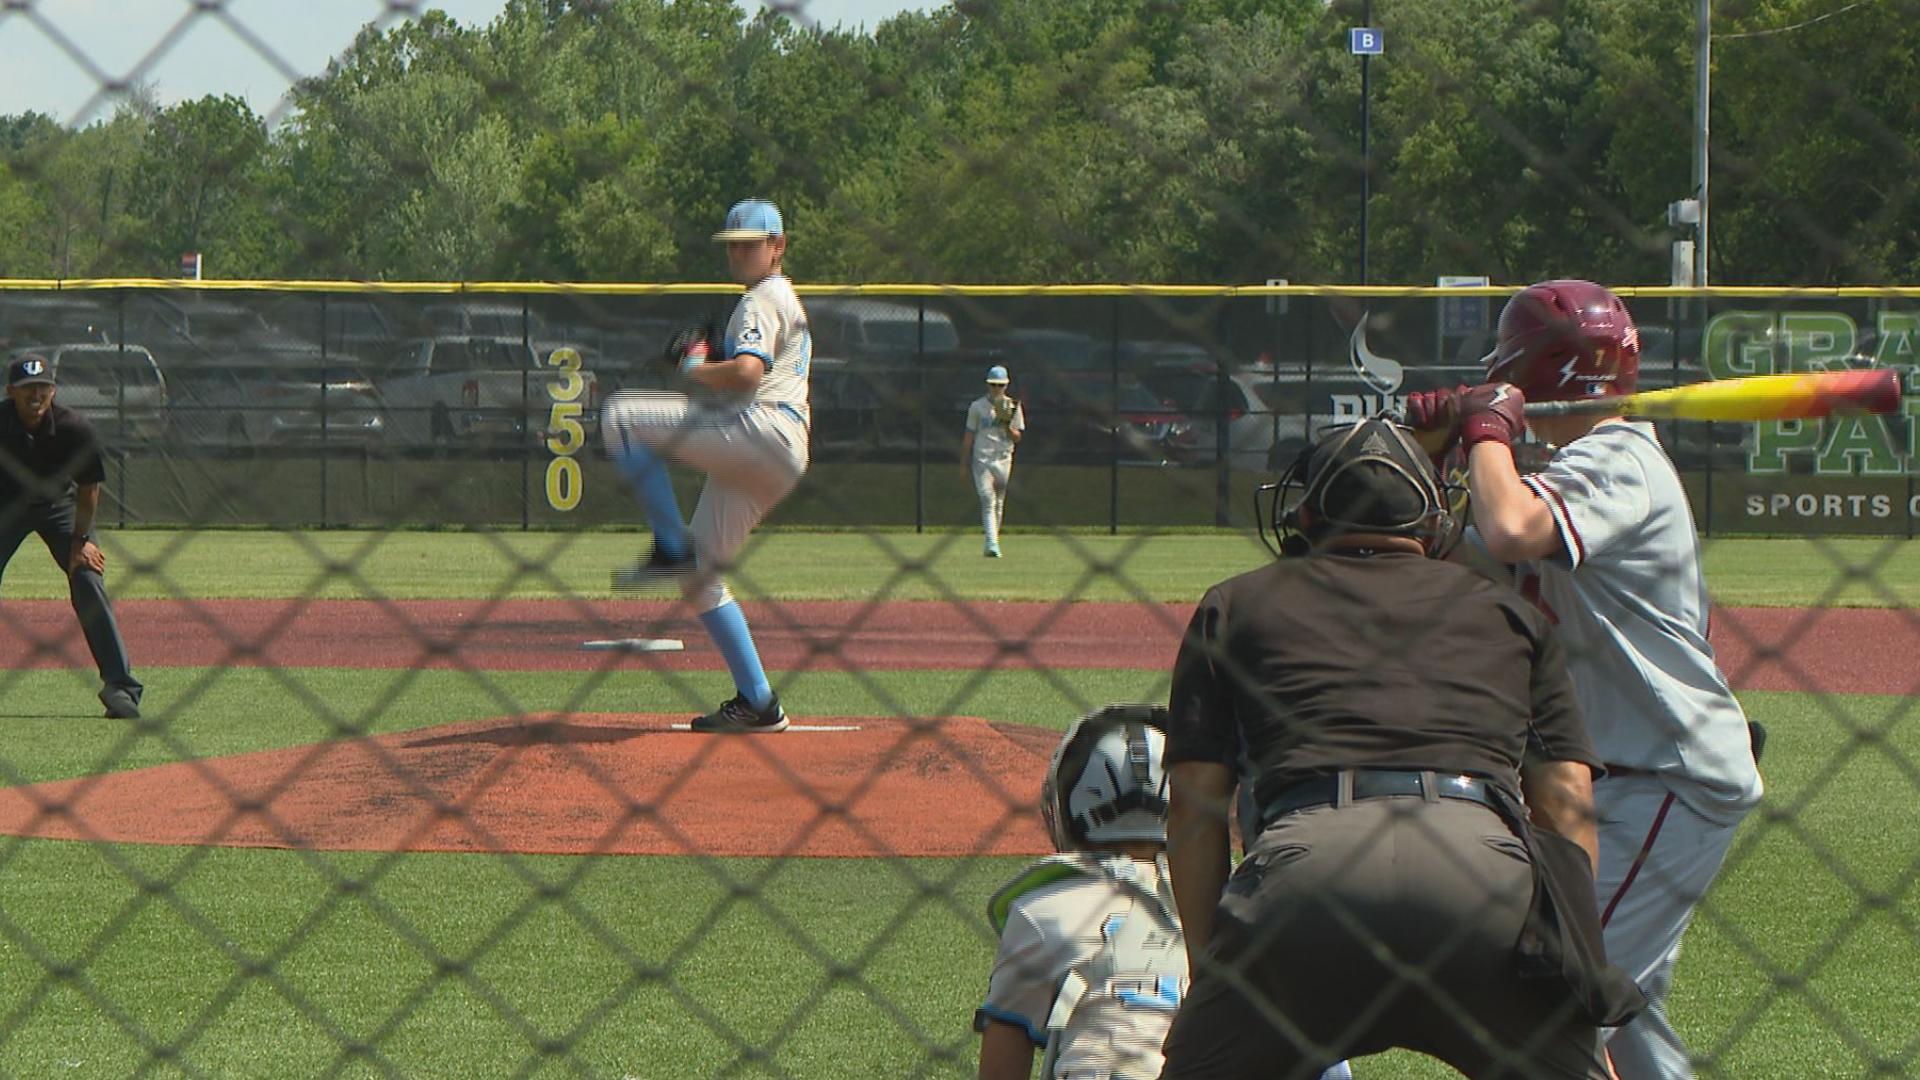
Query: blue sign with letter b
(1365, 41)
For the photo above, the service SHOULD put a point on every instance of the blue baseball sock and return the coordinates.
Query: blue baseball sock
(727, 625)
(654, 488)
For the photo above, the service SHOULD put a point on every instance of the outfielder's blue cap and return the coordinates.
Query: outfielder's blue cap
(997, 374)
(752, 219)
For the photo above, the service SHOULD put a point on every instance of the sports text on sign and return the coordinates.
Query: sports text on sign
(1365, 41)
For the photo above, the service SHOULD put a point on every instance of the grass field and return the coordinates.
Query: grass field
(123, 960)
(1174, 567)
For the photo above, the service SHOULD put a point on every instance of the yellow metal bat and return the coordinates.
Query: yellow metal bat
(1762, 397)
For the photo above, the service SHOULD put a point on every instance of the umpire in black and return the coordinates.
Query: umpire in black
(1378, 701)
(50, 476)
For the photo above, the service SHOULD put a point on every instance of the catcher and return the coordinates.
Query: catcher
(995, 423)
(1092, 963)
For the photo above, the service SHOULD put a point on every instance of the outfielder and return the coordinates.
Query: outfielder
(746, 428)
(1603, 542)
(995, 423)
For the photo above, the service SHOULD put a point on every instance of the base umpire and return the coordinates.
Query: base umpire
(1387, 708)
(50, 476)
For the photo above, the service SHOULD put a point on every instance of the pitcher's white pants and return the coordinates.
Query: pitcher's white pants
(753, 456)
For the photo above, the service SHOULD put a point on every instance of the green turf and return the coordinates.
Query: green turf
(264, 963)
(1173, 567)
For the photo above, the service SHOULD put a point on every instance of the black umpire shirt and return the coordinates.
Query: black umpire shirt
(1382, 661)
(42, 466)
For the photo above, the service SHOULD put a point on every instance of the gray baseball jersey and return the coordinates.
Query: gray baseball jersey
(992, 445)
(1631, 604)
(769, 323)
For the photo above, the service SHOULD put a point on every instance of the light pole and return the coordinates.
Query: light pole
(1702, 63)
(1366, 43)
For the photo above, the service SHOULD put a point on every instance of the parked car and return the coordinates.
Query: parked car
(195, 329)
(1075, 417)
(1259, 436)
(354, 323)
(473, 390)
(118, 388)
(1035, 348)
(297, 398)
(53, 319)
(881, 368)
(484, 319)
(857, 328)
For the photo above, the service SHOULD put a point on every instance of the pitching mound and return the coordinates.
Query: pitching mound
(583, 783)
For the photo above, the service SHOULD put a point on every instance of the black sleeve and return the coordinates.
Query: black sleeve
(1556, 731)
(84, 462)
(1200, 709)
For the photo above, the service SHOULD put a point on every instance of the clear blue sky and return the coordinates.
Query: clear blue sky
(208, 56)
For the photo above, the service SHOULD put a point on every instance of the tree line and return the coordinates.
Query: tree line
(1016, 140)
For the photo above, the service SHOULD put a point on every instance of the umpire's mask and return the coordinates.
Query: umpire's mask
(1367, 477)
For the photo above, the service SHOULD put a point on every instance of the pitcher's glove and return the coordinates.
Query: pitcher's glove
(684, 341)
(1003, 411)
(1495, 412)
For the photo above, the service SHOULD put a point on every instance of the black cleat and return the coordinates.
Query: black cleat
(737, 717)
(120, 703)
(656, 570)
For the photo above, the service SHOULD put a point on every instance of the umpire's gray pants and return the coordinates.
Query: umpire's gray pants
(86, 589)
(1381, 923)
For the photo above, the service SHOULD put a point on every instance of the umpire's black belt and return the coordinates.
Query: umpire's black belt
(1375, 784)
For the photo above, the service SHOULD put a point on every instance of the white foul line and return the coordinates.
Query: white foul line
(789, 727)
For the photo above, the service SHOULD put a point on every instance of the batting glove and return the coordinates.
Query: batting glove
(1495, 412)
(1434, 410)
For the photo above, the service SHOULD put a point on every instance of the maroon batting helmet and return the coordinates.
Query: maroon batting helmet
(1567, 339)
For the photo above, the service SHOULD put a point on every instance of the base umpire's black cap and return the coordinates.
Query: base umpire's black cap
(29, 369)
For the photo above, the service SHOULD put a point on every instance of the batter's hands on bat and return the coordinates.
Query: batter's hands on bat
(1434, 416)
(1495, 412)
(86, 555)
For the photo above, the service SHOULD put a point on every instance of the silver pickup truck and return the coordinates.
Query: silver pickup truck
(497, 393)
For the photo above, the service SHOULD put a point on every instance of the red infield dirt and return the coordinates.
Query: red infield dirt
(629, 785)
(581, 784)
(1846, 650)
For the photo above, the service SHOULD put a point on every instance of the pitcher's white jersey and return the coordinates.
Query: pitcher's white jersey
(1631, 606)
(769, 323)
(992, 443)
(1091, 964)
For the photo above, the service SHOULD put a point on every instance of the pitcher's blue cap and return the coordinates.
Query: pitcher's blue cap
(751, 219)
(997, 375)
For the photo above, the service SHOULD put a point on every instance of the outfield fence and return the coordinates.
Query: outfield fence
(410, 792)
(355, 405)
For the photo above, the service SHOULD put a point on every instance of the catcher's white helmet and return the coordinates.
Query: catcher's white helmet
(1108, 779)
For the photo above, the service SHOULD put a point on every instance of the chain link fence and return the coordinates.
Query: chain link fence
(405, 794)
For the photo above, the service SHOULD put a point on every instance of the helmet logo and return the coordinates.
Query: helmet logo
(1383, 374)
(1566, 373)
